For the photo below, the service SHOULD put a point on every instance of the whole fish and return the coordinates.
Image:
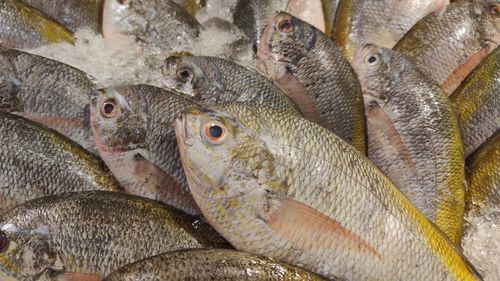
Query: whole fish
(71, 14)
(48, 92)
(132, 127)
(251, 16)
(484, 177)
(279, 185)
(414, 135)
(212, 80)
(36, 161)
(450, 45)
(477, 103)
(22, 26)
(311, 70)
(91, 234)
(209, 264)
(382, 23)
(159, 25)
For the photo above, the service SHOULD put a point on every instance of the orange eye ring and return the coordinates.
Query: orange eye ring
(109, 109)
(285, 26)
(215, 132)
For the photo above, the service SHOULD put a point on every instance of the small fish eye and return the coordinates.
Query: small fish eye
(215, 132)
(4, 242)
(285, 26)
(372, 59)
(495, 10)
(184, 74)
(109, 109)
(124, 2)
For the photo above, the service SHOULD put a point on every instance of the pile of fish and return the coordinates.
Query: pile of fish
(357, 144)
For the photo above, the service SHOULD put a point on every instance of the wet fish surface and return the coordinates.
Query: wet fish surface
(382, 23)
(48, 92)
(92, 234)
(477, 103)
(36, 161)
(213, 264)
(22, 26)
(212, 80)
(312, 71)
(414, 135)
(132, 127)
(449, 46)
(159, 25)
(72, 14)
(276, 184)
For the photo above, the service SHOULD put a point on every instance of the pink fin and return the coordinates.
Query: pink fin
(458, 75)
(74, 276)
(309, 229)
(441, 8)
(60, 123)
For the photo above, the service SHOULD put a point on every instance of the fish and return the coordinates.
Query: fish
(162, 26)
(381, 23)
(49, 92)
(306, 65)
(36, 161)
(251, 16)
(24, 27)
(210, 264)
(212, 80)
(450, 45)
(192, 6)
(330, 12)
(477, 103)
(483, 177)
(413, 135)
(71, 14)
(132, 128)
(91, 234)
(278, 185)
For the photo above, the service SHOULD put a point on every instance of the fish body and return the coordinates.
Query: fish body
(71, 14)
(450, 45)
(278, 185)
(477, 103)
(312, 71)
(36, 161)
(210, 264)
(158, 25)
(330, 12)
(48, 92)
(22, 26)
(484, 178)
(94, 233)
(414, 135)
(211, 80)
(132, 127)
(377, 22)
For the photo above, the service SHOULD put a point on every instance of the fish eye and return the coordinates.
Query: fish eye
(215, 132)
(124, 2)
(184, 74)
(4, 242)
(109, 108)
(495, 10)
(285, 26)
(372, 59)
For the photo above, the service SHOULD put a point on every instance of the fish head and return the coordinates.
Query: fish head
(375, 69)
(121, 19)
(119, 119)
(26, 255)
(183, 74)
(285, 40)
(222, 156)
(488, 15)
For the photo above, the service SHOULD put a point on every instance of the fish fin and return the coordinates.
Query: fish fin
(441, 8)
(462, 71)
(62, 124)
(307, 228)
(75, 276)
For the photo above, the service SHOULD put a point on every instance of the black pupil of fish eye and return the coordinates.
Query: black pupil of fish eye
(4, 242)
(109, 108)
(285, 26)
(184, 74)
(372, 59)
(215, 131)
